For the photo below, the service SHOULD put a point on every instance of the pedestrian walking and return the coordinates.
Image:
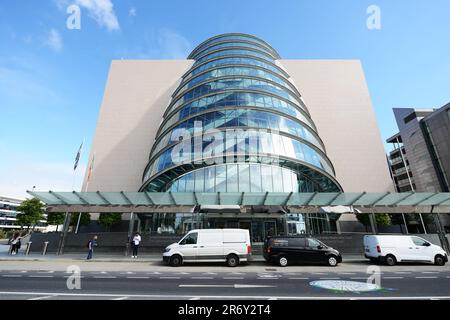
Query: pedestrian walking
(91, 244)
(15, 244)
(135, 243)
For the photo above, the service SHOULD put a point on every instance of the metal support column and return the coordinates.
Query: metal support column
(404, 221)
(64, 233)
(373, 223)
(130, 234)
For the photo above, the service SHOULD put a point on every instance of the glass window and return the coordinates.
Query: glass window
(255, 178)
(199, 180)
(419, 241)
(191, 238)
(232, 178)
(210, 175)
(221, 179)
(266, 178)
(244, 178)
(287, 183)
(313, 243)
(277, 182)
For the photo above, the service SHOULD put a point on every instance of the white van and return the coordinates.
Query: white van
(210, 245)
(400, 248)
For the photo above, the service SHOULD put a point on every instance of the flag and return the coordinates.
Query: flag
(77, 158)
(90, 169)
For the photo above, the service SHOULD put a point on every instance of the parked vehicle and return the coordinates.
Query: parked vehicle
(210, 245)
(391, 249)
(286, 250)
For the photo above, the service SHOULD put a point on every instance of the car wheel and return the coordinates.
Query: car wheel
(332, 261)
(390, 260)
(232, 260)
(282, 261)
(176, 260)
(439, 260)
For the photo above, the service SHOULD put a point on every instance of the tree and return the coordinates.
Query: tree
(109, 219)
(31, 212)
(55, 219)
(84, 220)
(382, 219)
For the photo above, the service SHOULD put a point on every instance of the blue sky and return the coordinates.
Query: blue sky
(52, 79)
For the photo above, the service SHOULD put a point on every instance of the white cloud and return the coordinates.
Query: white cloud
(54, 40)
(173, 45)
(101, 11)
(132, 12)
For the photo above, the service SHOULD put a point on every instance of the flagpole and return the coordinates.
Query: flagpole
(79, 215)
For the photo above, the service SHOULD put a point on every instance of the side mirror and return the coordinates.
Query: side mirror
(320, 247)
(427, 244)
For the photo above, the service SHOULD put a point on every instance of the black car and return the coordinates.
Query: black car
(299, 249)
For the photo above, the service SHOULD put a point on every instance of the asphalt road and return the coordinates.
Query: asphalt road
(267, 284)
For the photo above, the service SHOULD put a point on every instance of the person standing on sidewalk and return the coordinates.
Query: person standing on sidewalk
(136, 241)
(91, 244)
(15, 244)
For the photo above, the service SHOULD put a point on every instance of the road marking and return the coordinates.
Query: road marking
(319, 273)
(105, 277)
(42, 298)
(273, 298)
(169, 277)
(200, 278)
(329, 278)
(121, 298)
(182, 273)
(45, 271)
(11, 276)
(426, 277)
(154, 272)
(347, 273)
(237, 273)
(298, 278)
(177, 296)
(393, 277)
(209, 272)
(358, 278)
(195, 298)
(138, 277)
(234, 278)
(429, 272)
(236, 286)
(402, 272)
(40, 276)
(128, 272)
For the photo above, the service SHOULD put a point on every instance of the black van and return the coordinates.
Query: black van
(299, 249)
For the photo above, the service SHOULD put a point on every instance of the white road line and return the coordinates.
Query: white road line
(11, 276)
(318, 273)
(429, 272)
(358, 278)
(40, 276)
(236, 273)
(298, 278)
(210, 273)
(195, 298)
(121, 298)
(272, 298)
(426, 277)
(169, 277)
(200, 278)
(42, 298)
(233, 278)
(45, 271)
(108, 295)
(347, 273)
(182, 273)
(154, 272)
(138, 277)
(129, 272)
(104, 277)
(393, 277)
(402, 272)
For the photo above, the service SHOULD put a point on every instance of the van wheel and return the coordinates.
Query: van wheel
(176, 260)
(439, 260)
(232, 260)
(390, 260)
(332, 261)
(282, 261)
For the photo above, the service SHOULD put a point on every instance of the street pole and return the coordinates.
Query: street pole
(64, 233)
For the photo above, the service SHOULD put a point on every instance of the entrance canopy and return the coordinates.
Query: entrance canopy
(386, 202)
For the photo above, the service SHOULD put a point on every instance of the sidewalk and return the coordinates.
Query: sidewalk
(102, 257)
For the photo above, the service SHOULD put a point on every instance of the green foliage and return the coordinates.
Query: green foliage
(2, 234)
(109, 219)
(84, 220)
(31, 212)
(382, 219)
(55, 218)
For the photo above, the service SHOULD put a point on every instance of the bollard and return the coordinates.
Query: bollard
(27, 251)
(45, 248)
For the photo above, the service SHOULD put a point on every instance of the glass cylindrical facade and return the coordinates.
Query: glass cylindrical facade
(237, 123)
